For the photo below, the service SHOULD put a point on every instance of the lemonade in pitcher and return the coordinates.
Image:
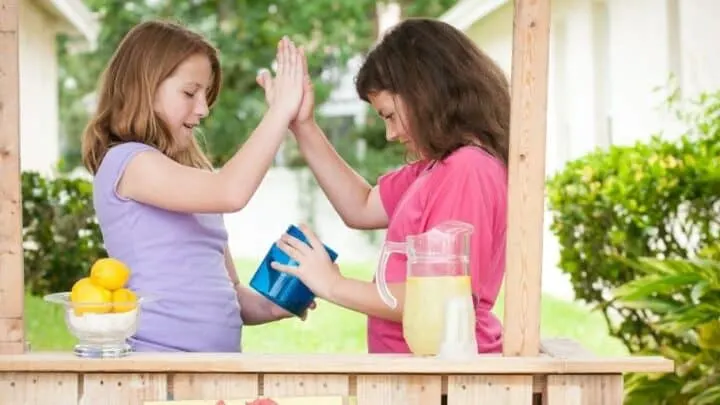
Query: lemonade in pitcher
(424, 318)
(437, 271)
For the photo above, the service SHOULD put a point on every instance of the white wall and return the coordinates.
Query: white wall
(607, 58)
(639, 62)
(699, 34)
(281, 200)
(39, 143)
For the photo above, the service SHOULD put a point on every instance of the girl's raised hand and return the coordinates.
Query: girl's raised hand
(305, 113)
(286, 92)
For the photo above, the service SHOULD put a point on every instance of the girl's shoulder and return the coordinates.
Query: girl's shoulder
(473, 156)
(126, 148)
(471, 159)
(117, 156)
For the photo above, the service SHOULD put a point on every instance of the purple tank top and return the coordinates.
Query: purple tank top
(175, 257)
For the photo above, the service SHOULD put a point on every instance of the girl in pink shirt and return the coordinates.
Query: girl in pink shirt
(449, 104)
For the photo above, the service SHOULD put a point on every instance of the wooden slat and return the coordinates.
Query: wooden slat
(506, 389)
(63, 388)
(398, 390)
(11, 347)
(278, 385)
(39, 388)
(123, 389)
(303, 400)
(584, 390)
(330, 364)
(594, 389)
(218, 386)
(11, 254)
(526, 178)
(11, 329)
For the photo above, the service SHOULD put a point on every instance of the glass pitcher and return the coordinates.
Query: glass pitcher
(437, 271)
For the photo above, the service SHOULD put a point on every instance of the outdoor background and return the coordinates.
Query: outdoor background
(633, 153)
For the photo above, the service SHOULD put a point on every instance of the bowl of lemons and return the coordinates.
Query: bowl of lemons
(100, 311)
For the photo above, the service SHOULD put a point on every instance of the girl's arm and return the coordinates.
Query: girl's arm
(154, 179)
(357, 203)
(323, 277)
(254, 308)
(362, 296)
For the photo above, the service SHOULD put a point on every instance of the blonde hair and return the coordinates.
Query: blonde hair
(146, 56)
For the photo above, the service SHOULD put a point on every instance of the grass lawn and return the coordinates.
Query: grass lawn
(331, 329)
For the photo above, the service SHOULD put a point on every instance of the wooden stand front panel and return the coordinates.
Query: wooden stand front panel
(47, 388)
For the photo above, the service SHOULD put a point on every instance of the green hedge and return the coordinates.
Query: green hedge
(61, 236)
(656, 199)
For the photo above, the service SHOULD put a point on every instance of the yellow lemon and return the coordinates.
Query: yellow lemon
(90, 298)
(123, 300)
(109, 273)
(79, 286)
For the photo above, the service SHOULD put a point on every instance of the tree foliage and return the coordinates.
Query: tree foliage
(246, 33)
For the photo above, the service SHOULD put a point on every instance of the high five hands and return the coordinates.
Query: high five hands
(275, 88)
(284, 93)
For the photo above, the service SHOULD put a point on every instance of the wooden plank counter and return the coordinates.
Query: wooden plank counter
(330, 363)
(559, 377)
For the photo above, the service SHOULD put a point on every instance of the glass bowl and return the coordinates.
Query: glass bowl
(101, 332)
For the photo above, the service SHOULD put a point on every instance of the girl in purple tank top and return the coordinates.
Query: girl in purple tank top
(159, 202)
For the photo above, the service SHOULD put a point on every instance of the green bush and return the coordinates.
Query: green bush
(60, 234)
(684, 296)
(655, 199)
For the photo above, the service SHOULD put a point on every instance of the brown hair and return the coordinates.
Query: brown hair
(146, 56)
(454, 94)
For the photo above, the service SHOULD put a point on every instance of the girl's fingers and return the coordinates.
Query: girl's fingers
(304, 62)
(286, 54)
(306, 70)
(298, 245)
(264, 79)
(312, 238)
(289, 60)
(282, 56)
(307, 84)
(284, 268)
(294, 62)
(278, 58)
(289, 250)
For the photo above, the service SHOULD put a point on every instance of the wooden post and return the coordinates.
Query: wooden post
(12, 329)
(526, 177)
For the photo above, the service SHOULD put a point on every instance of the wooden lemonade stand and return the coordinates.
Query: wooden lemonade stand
(558, 371)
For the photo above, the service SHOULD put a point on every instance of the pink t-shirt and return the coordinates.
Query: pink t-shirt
(470, 185)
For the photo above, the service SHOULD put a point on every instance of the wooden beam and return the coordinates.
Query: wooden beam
(526, 177)
(566, 361)
(12, 329)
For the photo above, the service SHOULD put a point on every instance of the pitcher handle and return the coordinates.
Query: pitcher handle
(380, 283)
